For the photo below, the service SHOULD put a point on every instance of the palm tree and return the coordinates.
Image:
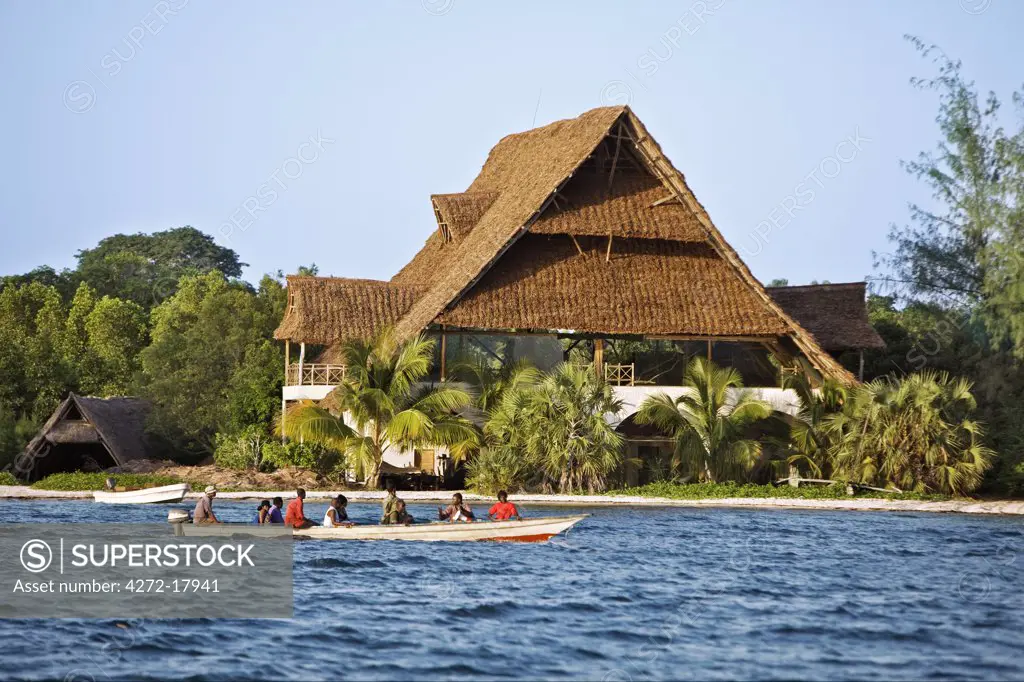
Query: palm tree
(915, 434)
(383, 402)
(569, 435)
(710, 426)
(809, 442)
(491, 382)
(560, 426)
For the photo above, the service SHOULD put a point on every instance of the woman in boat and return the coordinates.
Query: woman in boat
(456, 511)
(336, 515)
(262, 512)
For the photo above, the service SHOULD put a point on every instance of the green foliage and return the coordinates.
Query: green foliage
(387, 405)
(146, 268)
(958, 265)
(710, 427)
(241, 451)
(915, 434)
(116, 332)
(15, 434)
(558, 426)
(210, 367)
(809, 444)
(7, 478)
(702, 491)
(497, 469)
(79, 480)
(313, 456)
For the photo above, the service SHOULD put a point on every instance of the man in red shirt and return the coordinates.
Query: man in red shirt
(295, 515)
(503, 510)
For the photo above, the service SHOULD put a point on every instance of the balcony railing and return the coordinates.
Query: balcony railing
(315, 375)
(619, 375)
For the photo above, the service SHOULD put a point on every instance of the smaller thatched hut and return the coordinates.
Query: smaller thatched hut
(88, 434)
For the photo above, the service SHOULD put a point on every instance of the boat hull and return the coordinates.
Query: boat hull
(538, 529)
(164, 493)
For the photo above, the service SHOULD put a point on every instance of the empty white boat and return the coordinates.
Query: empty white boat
(164, 493)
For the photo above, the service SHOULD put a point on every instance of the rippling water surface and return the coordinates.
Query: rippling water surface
(628, 594)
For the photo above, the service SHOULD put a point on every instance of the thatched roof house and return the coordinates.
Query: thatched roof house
(582, 229)
(89, 434)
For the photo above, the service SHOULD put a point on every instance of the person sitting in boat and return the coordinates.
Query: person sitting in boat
(295, 515)
(262, 512)
(274, 513)
(204, 507)
(336, 515)
(503, 510)
(456, 511)
(404, 517)
(389, 517)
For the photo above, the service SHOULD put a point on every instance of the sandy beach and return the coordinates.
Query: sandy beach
(1014, 507)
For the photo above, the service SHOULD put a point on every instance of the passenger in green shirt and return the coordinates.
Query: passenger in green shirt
(391, 512)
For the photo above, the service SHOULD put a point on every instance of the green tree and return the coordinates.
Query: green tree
(809, 443)
(967, 250)
(116, 332)
(209, 367)
(384, 402)
(145, 268)
(916, 434)
(560, 426)
(710, 423)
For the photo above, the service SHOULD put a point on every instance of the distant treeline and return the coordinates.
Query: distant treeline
(163, 316)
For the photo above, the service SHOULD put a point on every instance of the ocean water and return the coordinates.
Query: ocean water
(628, 594)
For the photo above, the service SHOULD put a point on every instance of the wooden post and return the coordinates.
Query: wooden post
(860, 373)
(709, 350)
(284, 413)
(287, 360)
(608, 253)
(302, 359)
(284, 401)
(599, 357)
(578, 247)
(444, 352)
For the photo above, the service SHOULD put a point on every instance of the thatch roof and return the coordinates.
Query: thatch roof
(462, 211)
(325, 310)
(626, 210)
(525, 168)
(679, 277)
(834, 313)
(118, 423)
(648, 286)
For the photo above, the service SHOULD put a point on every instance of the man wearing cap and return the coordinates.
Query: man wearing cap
(204, 507)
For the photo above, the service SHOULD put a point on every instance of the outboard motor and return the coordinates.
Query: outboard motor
(177, 517)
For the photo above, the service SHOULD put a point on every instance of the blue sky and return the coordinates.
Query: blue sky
(139, 116)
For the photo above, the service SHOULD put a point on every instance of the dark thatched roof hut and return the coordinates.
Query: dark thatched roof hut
(88, 434)
(581, 227)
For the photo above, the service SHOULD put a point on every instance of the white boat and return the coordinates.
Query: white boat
(164, 493)
(536, 529)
